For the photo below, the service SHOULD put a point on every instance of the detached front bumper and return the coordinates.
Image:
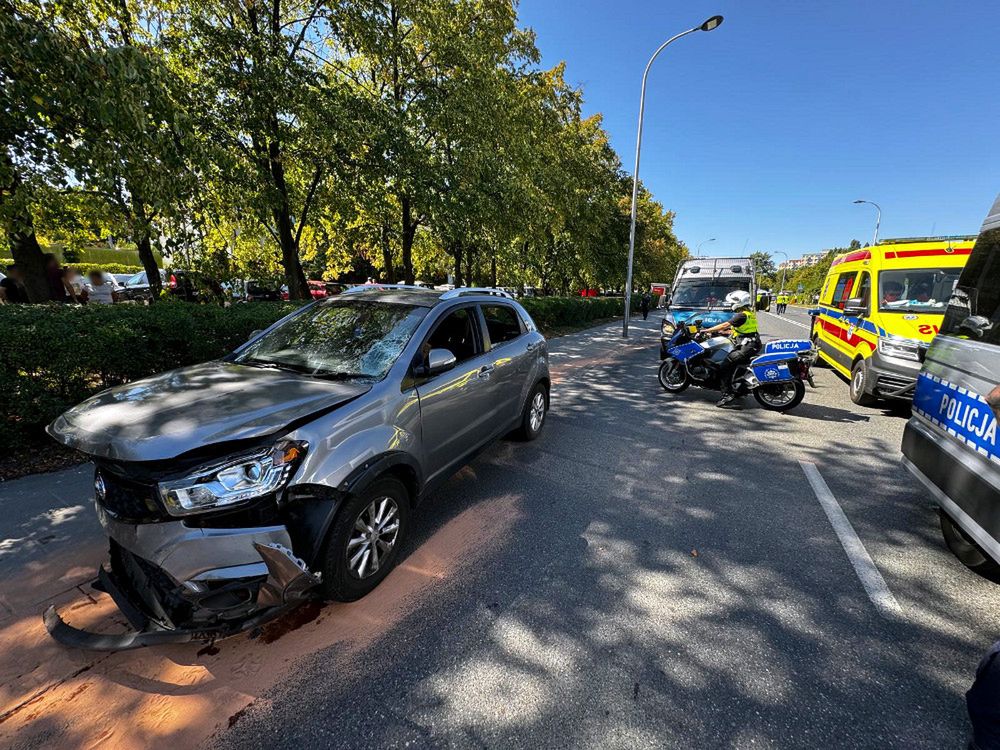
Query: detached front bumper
(162, 611)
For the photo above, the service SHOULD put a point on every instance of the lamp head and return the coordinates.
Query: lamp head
(712, 23)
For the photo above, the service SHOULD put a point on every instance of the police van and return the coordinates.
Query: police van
(879, 309)
(699, 293)
(950, 442)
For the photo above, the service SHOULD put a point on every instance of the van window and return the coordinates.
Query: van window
(864, 291)
(923, 290)
(974, 307)
(842, 292)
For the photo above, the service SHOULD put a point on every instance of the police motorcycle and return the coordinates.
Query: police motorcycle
(775, 376)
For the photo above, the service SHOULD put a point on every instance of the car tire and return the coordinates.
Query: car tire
(859, 384)
(966, 550)
(347, 573)
(535, 410)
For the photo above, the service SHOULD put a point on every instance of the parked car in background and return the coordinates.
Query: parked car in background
(121, 278)
(136, 287)
(261, 291)
(190, 286)
(233, 489)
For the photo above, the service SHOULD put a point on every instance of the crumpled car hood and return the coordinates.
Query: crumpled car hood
(178, 411)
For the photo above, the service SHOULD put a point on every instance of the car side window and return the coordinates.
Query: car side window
(502, 323)
(974, 309)
(457, 333)
(842, 292)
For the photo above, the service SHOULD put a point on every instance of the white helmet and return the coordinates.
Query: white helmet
(738, 300)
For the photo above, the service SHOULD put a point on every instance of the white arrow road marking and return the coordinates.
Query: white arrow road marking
(863, 564)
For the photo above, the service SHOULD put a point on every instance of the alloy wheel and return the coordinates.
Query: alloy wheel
(373, 537)
(537, 414)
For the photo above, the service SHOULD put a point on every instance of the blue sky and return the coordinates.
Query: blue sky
(770, 126)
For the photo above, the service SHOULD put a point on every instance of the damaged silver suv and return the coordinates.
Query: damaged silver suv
(233, 489)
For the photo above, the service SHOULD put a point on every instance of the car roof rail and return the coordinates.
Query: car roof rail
(466, 290)
(376, 287)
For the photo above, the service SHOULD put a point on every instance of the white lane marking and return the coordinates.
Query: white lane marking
(863, 564)
(786, 319)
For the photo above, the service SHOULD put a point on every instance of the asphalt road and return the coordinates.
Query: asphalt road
(652, 572)
(662, 573)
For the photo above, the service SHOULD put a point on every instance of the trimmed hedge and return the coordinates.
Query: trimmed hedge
(54, 356)
(556, 312)
(85, 268)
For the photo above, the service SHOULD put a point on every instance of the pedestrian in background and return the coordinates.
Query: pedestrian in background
(99, 291)
(644, 305)
(12, 291)
(75, 285)
(55, 275)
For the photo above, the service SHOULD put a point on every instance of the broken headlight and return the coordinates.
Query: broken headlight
(232, 481)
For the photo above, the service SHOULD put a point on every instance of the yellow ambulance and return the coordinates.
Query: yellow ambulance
(879, 309)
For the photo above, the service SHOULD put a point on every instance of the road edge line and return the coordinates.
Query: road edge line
(868, 573)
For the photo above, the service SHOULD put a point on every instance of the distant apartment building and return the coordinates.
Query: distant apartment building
(809, 259)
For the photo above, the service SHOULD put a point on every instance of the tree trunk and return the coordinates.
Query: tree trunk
(493, 269)
(146, 257)
(409, 231)
(295, 278)
(28, 255)
(24, 247)
(456, 252)
(469, 276)
(388, 271)
(144, 245)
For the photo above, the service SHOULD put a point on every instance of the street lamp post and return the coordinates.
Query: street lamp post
(698, 249)
(709, 25)
(783, 269)
(878, 218)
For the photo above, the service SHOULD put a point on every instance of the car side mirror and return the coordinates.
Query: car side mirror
(438, 361)
(856, 307)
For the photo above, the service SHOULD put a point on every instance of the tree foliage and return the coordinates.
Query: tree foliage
(406, 139)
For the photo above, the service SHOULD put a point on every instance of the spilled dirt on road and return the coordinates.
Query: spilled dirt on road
(54, 696)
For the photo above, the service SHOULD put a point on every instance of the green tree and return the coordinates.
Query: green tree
(279, 124)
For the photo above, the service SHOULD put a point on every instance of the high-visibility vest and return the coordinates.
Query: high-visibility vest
(749, 326)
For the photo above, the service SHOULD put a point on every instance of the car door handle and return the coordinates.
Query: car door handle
(485, 370)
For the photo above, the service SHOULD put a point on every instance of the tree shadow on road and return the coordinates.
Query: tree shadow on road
(665, 585)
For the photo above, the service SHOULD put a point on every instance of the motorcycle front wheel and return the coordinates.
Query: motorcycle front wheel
(673, 376)
(780, 396)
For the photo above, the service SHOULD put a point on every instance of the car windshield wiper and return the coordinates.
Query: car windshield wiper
(335, 375)
(267, 364)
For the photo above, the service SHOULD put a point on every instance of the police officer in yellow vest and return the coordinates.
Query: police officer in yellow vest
(782, 303)
(744, 327)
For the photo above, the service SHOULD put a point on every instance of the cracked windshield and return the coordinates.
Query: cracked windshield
(499, 374)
